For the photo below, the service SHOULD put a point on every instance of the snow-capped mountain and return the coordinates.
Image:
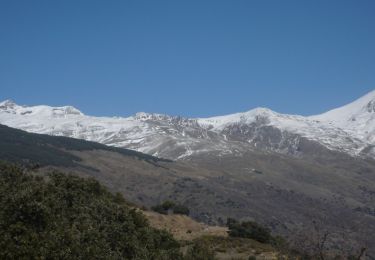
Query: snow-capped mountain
(349, 129)
(357, 118)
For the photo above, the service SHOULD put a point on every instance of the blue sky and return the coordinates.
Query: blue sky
(190, 58)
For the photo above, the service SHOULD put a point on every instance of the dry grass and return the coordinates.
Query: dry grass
(183, 227)
(186, 229)
(238, 248)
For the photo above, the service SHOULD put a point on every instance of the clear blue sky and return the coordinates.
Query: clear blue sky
(190, 58)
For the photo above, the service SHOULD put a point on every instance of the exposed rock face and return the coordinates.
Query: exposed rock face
(371, 106)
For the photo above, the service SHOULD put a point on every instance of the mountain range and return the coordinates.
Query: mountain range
(285, 171)
(349, 129)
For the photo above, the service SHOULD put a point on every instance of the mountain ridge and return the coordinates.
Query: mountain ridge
(177, 137)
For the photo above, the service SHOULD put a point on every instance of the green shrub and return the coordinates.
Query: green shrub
(180, 209)
(249, 229)
(170, 206)
(200, 251)
(67, 217)
(159, 209)
(167, 205)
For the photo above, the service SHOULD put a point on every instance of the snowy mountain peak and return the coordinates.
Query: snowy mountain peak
(164, 119)
(349, 129)
(149, 116)
(68, 110)
(358, 117)
(363, 105)
(7, 104)
(251, 116)
(11, 107)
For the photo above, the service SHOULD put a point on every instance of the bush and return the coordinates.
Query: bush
(159, 209)
(167, 205)
(200, 251)
(67, 217)
(170, 206)
(249, 229)
(180, 209)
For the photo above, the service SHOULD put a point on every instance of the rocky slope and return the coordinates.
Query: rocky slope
(350, 129)
(285, 193)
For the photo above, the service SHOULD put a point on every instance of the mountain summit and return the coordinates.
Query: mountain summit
(10, 107)
(358, 118)
(349, 129)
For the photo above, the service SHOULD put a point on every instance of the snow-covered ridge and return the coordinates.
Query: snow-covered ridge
(9, 106)
(349, 129)
(357, 118)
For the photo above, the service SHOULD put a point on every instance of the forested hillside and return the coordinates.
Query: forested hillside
(66, 217)
(28, 148)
